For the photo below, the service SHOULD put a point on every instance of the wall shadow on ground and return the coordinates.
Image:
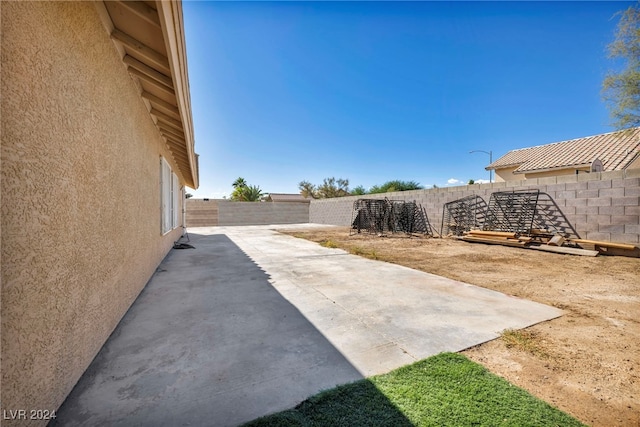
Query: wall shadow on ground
(209, 341)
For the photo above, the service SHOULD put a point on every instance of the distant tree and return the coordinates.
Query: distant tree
(242, 192)
(395, 185)
(621, 90)
(188, 195)
(435, 186)
(332, 187)
(329, 188)
(239, 182)
(237, 194)
(307, 189)
(376, 189)
(251, 193)
(359, 191)
(471, 182)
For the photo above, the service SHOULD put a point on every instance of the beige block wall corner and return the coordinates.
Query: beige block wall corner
(80, 197)
(264, 213)
(600, 206)
(208, 213)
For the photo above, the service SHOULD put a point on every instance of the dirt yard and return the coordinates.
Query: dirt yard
(586, 362)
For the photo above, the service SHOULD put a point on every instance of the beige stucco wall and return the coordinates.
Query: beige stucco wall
(80, 197)
(506, 174)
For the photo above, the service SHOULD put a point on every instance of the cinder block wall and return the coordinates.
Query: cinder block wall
(201, 213)
(600, 206)
(243, 213)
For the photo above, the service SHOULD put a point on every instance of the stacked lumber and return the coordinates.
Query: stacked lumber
(607, 248)
(543, 240)
(537, 241)
(494, 238)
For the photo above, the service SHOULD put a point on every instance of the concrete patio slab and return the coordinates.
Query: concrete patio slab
(253, 321)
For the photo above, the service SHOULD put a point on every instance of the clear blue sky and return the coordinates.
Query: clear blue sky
(374, 91)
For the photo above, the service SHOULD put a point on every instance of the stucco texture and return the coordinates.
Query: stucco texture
(80, 197)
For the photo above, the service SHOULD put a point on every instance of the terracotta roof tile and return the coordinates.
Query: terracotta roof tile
(616, 150)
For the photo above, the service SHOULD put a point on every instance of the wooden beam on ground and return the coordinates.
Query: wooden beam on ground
(538, 232)
(142, 49)
(564, 250)
(143, 11)
(493, 233)
(556, 240)
(626, 246)
(501, 241)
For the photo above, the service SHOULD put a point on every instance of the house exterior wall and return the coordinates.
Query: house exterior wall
(600, 206)
(506, 174)
(80, 191)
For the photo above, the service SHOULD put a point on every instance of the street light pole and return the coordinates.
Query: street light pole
(490, 153)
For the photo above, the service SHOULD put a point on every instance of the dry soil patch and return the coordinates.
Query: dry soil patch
(586, 362)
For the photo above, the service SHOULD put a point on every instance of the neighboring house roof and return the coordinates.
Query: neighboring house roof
(281, 197)
(616, 150)
(150, 38)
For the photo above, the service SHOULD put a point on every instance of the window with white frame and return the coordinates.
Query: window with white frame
(170, 197)
(175, 193)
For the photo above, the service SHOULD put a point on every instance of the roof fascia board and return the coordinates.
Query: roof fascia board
(510, 165)
(171, 22)
(579, 166)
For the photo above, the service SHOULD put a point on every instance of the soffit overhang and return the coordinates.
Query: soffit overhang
(149, 35)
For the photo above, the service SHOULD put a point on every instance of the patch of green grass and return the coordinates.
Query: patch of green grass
(328, 243)
(443, 390)
(357, 250)
(524, 340)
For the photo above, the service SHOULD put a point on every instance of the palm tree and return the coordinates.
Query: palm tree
(239, 183)
(251, 193)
